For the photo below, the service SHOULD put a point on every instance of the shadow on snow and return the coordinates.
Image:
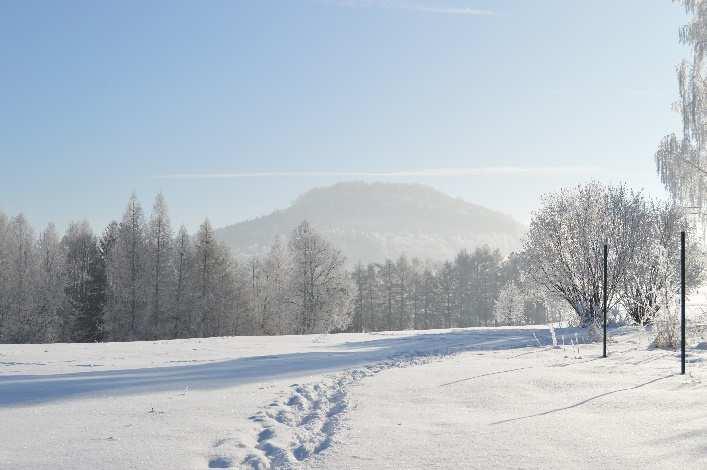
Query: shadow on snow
(25, 390)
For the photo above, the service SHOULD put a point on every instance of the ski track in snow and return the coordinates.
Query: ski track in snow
(289, 431)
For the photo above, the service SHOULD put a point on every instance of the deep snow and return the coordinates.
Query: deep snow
(467, 398)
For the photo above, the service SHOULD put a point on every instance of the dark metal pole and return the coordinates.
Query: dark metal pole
(682, 303)
(606, 256)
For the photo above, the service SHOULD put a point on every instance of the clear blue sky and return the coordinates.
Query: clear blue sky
(102, 98)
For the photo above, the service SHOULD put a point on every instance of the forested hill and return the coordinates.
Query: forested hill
(373, 221)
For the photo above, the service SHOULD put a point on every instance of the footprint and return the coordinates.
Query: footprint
(303, 424)
(220, 462)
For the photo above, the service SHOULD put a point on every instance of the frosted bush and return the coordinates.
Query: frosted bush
(667, 335)
(665, 316)
(666, 322)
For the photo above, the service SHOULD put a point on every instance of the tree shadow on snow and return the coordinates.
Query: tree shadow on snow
(26, 390)
(583, 402)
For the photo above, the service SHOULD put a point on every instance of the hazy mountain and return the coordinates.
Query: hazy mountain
(372, 221)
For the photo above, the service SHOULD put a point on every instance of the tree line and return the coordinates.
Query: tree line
(139, 279)
(466, 291)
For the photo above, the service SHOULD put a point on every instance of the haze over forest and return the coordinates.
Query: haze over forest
(370, 222)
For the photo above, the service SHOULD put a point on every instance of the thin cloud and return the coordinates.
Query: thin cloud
(453, 11)
(414, 6)
(430, 172)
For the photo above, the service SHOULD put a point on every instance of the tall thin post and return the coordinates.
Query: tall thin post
(682, 303)
(606, 263)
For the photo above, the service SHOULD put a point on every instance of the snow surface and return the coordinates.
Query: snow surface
(465, 398)
(531, 408)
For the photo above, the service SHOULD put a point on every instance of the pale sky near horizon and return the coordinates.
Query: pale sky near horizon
(233, 108)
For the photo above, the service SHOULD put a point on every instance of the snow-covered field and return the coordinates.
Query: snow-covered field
(468, 398)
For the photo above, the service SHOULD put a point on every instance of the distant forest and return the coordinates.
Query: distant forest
(139, 279)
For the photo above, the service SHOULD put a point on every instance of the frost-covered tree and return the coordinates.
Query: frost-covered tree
(658, 249)
(205, 260)
(127, 273)
(513, 270)
(183, 291)
(107, 247)
(429, 297)
(510, 306)
(486, 282)
(403, 273)
(564, 249)
(447, 288)
(319, 285)
(681, 159)
(387, 284)
(85, 284)
(18, 324)
(160, 270)
(276, 315)
(50, 285)
(371, 299)
(5, 291)
(358, 316)
(564, 244)
(466, 272)
(216, 275)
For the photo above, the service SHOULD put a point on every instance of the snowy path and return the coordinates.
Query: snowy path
(197, 403)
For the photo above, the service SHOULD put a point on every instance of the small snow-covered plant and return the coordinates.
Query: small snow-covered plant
(578, 354)
(666, 324)
(575, 347)
(554, 336)
(665, 320)
(667, 334)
